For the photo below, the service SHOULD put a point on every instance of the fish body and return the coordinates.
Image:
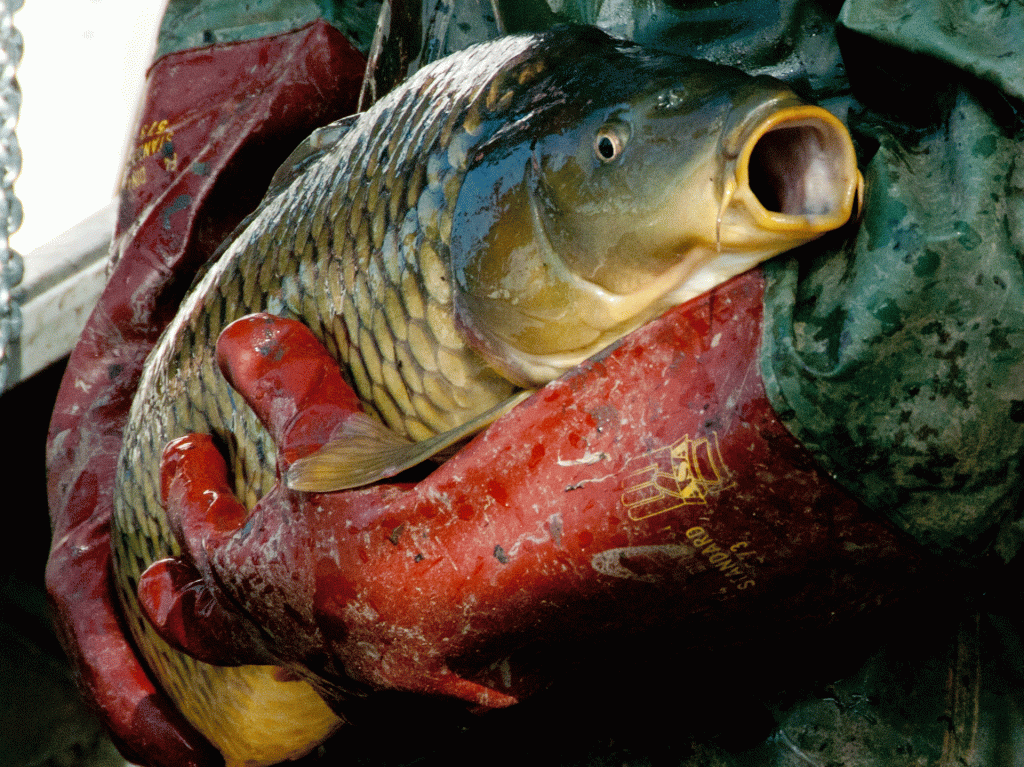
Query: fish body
(506, 213)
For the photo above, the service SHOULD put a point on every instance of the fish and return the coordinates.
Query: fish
(506, 213)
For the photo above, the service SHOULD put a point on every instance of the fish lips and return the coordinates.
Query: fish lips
(793, 169)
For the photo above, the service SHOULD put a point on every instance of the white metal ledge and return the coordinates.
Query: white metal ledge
(62, 281)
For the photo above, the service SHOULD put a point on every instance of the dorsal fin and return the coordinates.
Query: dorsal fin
(311, 149)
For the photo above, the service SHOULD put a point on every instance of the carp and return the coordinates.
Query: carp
(506, 213)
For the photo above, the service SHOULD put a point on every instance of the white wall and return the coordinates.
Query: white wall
(80, 77)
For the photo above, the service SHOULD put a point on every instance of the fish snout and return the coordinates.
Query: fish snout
(797, 173)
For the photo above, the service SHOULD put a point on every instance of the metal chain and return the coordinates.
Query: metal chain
(11, 264)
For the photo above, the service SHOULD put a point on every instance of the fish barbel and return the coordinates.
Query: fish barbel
(506, 213)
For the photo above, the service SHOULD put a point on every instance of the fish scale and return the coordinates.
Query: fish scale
(318, 272)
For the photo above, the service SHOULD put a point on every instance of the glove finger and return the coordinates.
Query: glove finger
(189, 616)
(202, 509)
(289, 379)
(180, 596)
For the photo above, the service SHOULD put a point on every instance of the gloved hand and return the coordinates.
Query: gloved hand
(651, 487)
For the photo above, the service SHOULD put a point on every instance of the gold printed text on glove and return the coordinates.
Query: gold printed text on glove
(682, 474)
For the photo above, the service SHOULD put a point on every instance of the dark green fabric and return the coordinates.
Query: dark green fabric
(899, 357)
(198, 23)
(982, 37)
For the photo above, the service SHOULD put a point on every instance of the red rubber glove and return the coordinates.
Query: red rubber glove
(189, 181)
(653, 490)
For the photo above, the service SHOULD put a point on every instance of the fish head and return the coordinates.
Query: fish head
(598, 213)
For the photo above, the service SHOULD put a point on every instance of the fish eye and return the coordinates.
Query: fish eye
(609, 141)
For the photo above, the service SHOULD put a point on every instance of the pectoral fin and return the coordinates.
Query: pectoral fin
(369, 451)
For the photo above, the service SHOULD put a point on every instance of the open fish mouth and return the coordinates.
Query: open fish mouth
(799, 167)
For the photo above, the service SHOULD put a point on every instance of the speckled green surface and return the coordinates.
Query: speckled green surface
(898, 358)
(191, 24)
